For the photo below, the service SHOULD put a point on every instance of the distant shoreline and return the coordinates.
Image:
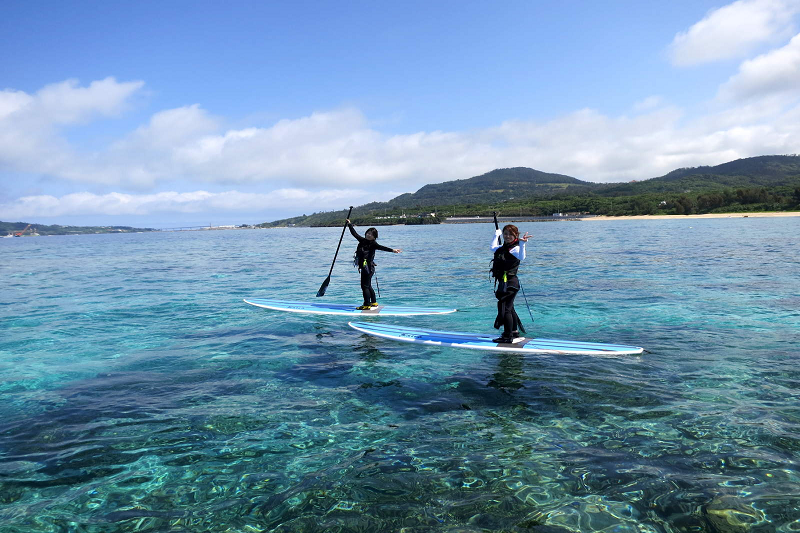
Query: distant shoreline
(771, 214)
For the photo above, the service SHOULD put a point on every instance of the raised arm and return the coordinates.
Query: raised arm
(353, 232)
(496, 239)
(519, 250)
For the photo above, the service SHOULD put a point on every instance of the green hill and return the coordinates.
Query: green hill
(761, 171)
(494, 186)
(754, 183)
(8, 228)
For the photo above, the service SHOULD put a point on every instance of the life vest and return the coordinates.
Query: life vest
(364, 256)
(504, 264)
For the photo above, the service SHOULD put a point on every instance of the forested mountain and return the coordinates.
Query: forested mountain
(26, 229)
(761, 171)
(765, 182)
(520, 182)
(494, 186)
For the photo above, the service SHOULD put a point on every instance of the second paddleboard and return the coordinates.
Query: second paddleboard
(485, 342)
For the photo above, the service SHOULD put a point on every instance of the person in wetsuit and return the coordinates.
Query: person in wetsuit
(507, 257)
(364, 261)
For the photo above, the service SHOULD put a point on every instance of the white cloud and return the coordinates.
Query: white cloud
(734, 30)
(333, 158)
(173, 127)
(339, 149)
(67, 102)
(776, 73)
(85, 203)
(318, 150)
(336, 145)
(29, 140)
(651, 102)
(12, 101)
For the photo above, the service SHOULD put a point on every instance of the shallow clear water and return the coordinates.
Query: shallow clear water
(141, 394)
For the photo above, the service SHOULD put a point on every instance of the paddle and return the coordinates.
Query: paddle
(324, 286)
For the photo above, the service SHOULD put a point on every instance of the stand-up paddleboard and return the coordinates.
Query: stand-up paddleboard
(484, 342)
(322, 308)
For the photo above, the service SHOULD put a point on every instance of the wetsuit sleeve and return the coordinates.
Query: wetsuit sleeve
(495, 241)
(383, 248)
(519, 251)
(356, 235)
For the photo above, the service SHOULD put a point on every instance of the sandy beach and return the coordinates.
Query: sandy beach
(708, 215)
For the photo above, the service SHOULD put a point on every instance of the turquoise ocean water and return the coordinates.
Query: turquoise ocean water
(141, 394)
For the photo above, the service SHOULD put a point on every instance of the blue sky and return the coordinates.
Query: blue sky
(182, 113)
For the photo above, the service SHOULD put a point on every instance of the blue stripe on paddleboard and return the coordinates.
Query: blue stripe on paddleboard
(388, 328)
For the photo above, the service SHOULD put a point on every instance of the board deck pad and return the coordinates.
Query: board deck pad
(485, 342)
(324, 308)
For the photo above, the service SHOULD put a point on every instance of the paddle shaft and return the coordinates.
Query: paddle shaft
(324, 286)
(526, 303)
(340, 241)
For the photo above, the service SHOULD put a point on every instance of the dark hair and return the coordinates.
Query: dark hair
(511, 228)
(374, 232)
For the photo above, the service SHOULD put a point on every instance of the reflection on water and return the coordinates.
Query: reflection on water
(142, 395)
(509, 375)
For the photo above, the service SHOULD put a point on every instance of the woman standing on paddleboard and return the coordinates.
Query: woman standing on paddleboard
(364, 261)
(507, 257)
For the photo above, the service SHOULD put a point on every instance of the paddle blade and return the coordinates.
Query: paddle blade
(323, 287)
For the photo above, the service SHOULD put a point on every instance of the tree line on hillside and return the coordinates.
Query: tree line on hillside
(520, 182)
(762, 183)
(739, 200)
(7, 228)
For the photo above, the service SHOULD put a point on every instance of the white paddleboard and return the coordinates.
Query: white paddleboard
(484, 342)
(324, 308)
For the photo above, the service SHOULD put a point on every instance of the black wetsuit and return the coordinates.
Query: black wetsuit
(504, 270)
(364, 261)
